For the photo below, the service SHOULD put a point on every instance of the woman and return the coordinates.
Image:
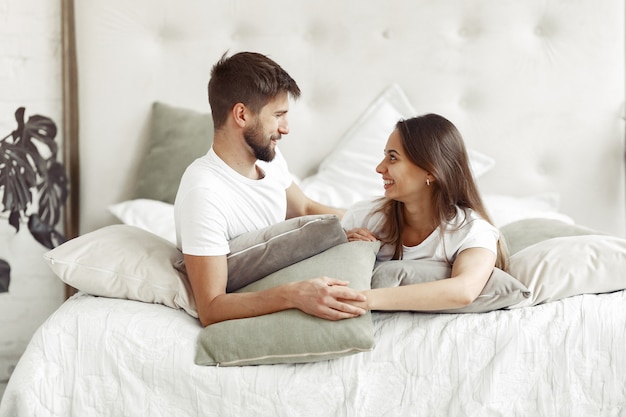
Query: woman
(431, 210)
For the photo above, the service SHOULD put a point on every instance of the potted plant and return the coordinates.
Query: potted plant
(33, 184)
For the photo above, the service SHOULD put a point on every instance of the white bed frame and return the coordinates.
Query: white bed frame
(536, 84)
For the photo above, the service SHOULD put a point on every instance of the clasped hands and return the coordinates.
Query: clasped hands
(331, 298)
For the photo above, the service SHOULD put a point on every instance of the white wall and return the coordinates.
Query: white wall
(30, 76)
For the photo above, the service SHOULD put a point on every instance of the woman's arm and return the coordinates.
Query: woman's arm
(470, 273)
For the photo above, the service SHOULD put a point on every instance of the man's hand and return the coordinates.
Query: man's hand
(327, 298)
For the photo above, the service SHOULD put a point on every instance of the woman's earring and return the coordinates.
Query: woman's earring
(428, 181)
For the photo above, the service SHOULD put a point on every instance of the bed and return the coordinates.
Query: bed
(535, 87)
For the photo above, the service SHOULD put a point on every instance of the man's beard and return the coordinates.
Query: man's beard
(254, 138)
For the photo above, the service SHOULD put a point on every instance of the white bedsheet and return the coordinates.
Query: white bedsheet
(108, 357)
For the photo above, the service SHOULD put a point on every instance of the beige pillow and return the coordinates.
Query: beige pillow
(122, 261)
(568, 266)
(501, 290)
(292, 336)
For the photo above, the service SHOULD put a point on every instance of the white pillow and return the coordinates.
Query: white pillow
(154, 216)
(566, 266)
(348, 174)
(122, 261)
(505, 209)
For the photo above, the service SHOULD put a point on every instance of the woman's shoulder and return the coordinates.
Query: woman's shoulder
(467, 217)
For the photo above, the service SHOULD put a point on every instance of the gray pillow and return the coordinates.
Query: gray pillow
(177, 137)
(292, 336)
(256, 254)
(524, 233)
(501, 290)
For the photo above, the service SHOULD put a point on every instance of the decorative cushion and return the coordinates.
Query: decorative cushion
(177, 137)
(256, 254)
(526, 232)
(501, 290)
(348, 174)
(122, 261)
(292, 336)
(567, 266)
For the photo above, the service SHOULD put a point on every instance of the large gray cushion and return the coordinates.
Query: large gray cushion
(292, 336)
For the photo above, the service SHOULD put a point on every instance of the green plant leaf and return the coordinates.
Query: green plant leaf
(5, 276)
(29, 172)
(44, 233)
(17, 178)
(53, 191)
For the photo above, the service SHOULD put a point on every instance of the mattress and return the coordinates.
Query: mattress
(114, 357)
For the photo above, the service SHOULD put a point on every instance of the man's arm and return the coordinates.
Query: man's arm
(298, 204)
(323, 297)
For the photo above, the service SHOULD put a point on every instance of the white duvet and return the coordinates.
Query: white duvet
(109, 357)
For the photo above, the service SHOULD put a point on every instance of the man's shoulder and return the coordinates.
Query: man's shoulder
(202, 168)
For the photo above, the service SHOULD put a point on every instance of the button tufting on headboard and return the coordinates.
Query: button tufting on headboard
(513, 76)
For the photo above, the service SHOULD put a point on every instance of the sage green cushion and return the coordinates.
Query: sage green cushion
(292, 336)
(524, 233)
(177, 137)
(502, 290)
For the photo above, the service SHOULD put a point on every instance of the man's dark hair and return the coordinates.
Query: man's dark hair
(249, 78)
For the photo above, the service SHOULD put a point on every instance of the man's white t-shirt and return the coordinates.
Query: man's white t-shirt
(215, 203)
(466, 230)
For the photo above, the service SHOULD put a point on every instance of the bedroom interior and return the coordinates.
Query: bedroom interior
(537, 89)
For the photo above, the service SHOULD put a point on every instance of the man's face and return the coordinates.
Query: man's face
(267, 128)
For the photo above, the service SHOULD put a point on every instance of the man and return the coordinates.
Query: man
(243, 184)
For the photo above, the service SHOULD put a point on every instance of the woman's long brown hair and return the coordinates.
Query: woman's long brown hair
(434, 144)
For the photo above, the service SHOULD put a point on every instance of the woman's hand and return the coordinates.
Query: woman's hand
(361, 234)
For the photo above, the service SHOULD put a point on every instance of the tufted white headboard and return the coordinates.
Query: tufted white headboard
(536, 84)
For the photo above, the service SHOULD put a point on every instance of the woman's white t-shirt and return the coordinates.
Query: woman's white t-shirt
(215, 203)
(466, 230)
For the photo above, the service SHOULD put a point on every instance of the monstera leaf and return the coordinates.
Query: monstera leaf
(5, 276)
(33, 183)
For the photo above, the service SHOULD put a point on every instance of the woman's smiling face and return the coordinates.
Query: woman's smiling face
(403, 180)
